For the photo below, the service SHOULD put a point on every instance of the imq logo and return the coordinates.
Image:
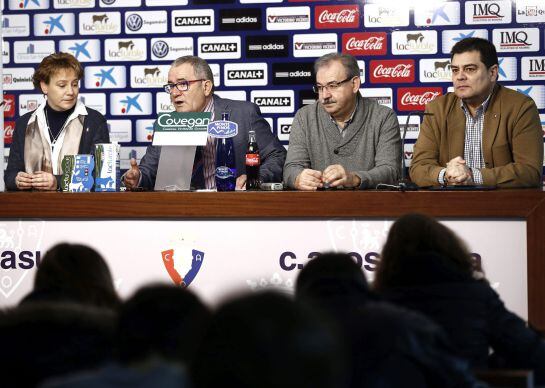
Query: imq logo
(240, 19)
(219, 47)
(267, 46)
(273, 101)
(488, 12)
(198, 20)
(293, 73)
(515, 39)
(533, 68)
(245, 74)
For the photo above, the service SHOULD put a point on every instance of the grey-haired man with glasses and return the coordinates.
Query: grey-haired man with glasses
(191, 89)
(343, 140)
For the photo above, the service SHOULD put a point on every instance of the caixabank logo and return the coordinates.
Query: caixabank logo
(54, 24)
(85, 50)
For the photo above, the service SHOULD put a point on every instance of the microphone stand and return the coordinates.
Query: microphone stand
(405, 184)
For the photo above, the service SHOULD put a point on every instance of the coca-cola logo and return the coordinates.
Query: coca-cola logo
(399, 71)
(373, 43)
(252, 159)
(9, 127)
(345, 16)
(339, 16)
(9, 105)
(365, 43)
(392, 71)
(416, 98)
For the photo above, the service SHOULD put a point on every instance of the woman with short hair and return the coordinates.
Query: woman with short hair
(60, 126)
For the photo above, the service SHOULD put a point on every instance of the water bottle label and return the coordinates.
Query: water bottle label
(252, 159)
(222, 129)
(224, 172)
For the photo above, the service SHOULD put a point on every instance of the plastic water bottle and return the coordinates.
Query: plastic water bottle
(226, 170)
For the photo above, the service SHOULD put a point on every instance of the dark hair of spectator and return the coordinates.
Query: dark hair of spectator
(51, 64)
(413, 235)
(162, 321)
(332, 274)
(485, 48)
(266, 340)
(77, 273)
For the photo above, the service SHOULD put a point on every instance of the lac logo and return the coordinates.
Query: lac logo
(182, 262)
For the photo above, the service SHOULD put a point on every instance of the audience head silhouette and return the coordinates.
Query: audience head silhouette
(416, 247)
(74, 273)
(161, 321)
(267, 341)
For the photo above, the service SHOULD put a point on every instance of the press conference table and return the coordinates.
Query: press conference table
(524, 204)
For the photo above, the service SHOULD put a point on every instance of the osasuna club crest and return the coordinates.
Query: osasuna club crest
(182, 268)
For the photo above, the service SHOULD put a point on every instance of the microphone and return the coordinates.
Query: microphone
(405, 184)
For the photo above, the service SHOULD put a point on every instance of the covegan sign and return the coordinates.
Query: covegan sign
(181, 128)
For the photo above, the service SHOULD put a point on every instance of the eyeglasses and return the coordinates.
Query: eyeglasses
(182, 86)
(330, 86)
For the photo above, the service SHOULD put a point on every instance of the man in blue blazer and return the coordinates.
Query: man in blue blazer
(191, 88)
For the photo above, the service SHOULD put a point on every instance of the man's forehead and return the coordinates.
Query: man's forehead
(332, 70)
(183, 71)
(466, 59)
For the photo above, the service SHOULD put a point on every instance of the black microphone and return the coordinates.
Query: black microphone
(405, 184)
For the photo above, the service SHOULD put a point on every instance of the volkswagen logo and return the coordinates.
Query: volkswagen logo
(160, 49)
(134, 22)
(108, 2)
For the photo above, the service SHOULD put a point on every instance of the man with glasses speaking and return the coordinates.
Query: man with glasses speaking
(343, 140)
(191, 89)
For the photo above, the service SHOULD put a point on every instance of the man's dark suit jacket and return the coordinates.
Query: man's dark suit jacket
(248, 117)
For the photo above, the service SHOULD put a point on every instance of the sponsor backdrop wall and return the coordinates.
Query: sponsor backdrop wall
(260, 50)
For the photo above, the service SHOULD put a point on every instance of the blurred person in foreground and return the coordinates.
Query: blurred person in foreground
(266, 340)
(158, 333)
(424, 266)
(385, 345)
(74, 273)
(62, 125)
